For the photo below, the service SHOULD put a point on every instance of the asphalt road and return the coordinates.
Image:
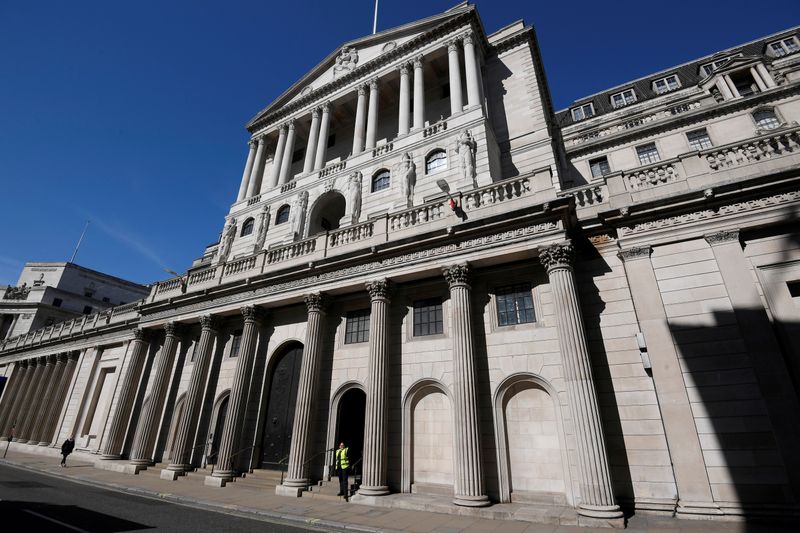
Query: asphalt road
(34, 503)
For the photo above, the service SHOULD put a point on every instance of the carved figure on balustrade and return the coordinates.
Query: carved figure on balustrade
(466, 148)
(345, 61)
(298, 213)
(226, 241)
(354, 192)
(263, 226)
(407, 171)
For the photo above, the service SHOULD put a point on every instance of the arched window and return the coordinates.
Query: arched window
(283, 214)
(247, 227)
(380, 180)
(766, 119)
(436, 162)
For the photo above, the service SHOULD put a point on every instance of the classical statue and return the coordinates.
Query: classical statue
(226, 240)
(298, 214)
(354, 191)
(407, 171)
(17, 293)
(466, 148)
(345, 61)
(263, 225)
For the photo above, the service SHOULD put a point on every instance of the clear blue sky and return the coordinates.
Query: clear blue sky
(132, 113)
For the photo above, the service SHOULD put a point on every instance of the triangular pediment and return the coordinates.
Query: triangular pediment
(358, 52)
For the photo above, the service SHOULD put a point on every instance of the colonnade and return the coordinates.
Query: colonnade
(256, 180)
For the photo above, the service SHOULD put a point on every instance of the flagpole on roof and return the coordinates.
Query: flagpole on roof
(72, 259)
(375, 19)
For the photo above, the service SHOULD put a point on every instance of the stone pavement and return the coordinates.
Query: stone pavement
(248, 499)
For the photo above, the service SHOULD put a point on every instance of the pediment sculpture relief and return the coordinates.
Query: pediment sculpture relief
(345, 61)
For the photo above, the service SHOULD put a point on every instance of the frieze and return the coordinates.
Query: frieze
(635, 252)
(720, 237)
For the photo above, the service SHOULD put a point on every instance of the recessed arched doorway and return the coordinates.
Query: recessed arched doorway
(350, 425)
(327, 213)
(284, 378)
(215, 438)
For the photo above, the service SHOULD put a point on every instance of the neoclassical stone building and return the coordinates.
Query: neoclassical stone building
(593, 311)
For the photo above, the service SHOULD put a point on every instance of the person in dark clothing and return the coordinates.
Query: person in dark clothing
(66, 449)
(342, 467)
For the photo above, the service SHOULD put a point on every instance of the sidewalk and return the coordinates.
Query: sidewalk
(253, 502)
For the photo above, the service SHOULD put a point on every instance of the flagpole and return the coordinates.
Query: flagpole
(375, 19)
(72, 259)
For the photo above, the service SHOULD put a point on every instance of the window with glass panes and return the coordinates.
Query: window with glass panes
(582, 112)
(699, 139)
(436, 162)
(515, 305)
(711, 67)
(380, 180)
(236, 343)
(665, 85)
(624, 98)
(428, 317)
(766, 119)
(357, 327)
(648, 153)
(283, 215)
(785, 47)
(599, 167)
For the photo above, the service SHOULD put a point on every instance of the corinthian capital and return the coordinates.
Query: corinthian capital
(209, 322)
(468, 38)
(452, 45)
(373, 84)
(457, 274)
(251, 313)
(557, 256)
(290, 124)
(403, 69)
(139, 334)
(418, 61)
(378, 289)
(171, 329)
(315, 302)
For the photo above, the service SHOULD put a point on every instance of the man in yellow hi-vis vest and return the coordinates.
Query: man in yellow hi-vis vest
(342, 467)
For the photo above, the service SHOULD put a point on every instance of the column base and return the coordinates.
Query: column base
(171, 474)
(600, 516)
(43, 443)
(697, 510)
(292, 492)
(111, 457)
(215, 480)
(471, 501)
(134, 469)
(373, 491)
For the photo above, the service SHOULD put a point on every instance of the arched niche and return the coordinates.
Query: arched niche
(327, 212)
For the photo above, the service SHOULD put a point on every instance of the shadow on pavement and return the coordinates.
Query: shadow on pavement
(45, 517)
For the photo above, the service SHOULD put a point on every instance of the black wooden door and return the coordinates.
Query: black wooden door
(280, 409)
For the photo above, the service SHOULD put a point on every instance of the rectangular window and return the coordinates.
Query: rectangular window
(648, 153)
(428, 317)
(515, 305)
(599, 167)
(57, 302)
(582, 112)
(236, 343)
(665, 85)
(784, 47)
(699, 139)
(711, 67)
(357, 327)
(624, 98)
(87, 310)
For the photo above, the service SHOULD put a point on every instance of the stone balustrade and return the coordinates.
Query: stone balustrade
(237, 266)
(291, 251)
(169, 285)
(433, 129)
(588, 195)
(651, 176)
(496, 193)
(775, 144)
(382, 149)
(286, 187)
(332, 169)
(351, 234)
(202, 276)
(417, 216)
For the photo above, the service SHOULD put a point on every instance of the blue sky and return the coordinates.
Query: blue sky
(132, 114)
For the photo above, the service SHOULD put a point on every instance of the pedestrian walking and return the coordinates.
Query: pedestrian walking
(66, 449)
(342, 468)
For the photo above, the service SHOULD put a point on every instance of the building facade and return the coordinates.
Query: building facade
(490, 301)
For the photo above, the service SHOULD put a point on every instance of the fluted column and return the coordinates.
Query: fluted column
(469, 484)
(471, 67)
(372, 116)
(404, 113)
(596, 492)
(11, 399)
(419, 94)
(248, 169)
(237, 406)
(55, 369)
(115, 443)
(313, 134)
(361, 111)
(184, 440)
(454, 69)
(288, 152)
(142, 452)
(322, 143)
(30, 404)
(254, 182)
(48, 433)
(297, 480)
(375, 419)
(277, 159)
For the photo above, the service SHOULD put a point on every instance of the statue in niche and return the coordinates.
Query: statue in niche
(407, 171)
(354, 191)
(263, 225)
(226, 241)
(466, 148)
(345, 61)
(298, 214)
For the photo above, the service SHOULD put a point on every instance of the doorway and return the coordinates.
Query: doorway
(350, 425)
(278, 421)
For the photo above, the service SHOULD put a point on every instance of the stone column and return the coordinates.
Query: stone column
(471, 66)
(404, 113)
(224, 471)
(419, 94)
(187, 428)
(55, 369)
(70, 360)
(375, 419)
(372, 116)
(765, 75)
(596, 492)
(723, 89)
(142, 452)
(731, 86)
(28, 411)
(361, 111)
(248, 169)
(454, 68)
(277, 159)
(322, 143)
(11, 398)
(757, 78)
(115, 442)
(469, 484)
(297, 480)
(313, 134)
(288, 152)
(254, 182)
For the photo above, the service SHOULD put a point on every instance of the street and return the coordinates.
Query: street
(34, 502)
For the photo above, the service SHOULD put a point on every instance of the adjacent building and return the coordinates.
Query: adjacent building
(593, 310)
